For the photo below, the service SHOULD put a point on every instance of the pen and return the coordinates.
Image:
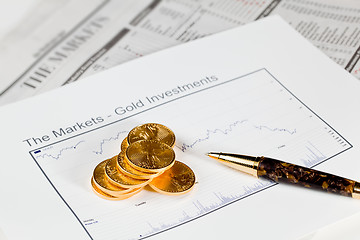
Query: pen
(280, 171)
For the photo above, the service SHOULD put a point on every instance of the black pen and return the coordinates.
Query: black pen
(280, 171)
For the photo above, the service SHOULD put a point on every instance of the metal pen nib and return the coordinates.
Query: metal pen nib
(242, 163)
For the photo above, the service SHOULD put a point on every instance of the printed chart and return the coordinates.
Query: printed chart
(253, 114)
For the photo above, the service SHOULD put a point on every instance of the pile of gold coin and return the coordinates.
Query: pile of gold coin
(146, 158)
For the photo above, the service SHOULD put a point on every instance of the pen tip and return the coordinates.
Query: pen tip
(213, 155)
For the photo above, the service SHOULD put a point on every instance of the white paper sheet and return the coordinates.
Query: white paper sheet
(246, 90)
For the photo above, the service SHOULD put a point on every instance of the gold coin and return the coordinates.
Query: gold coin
(152, 131)
(147, 155)
(125, 168)
(119, 179)
(124, 145)
(131, 193)
(177, 180)
(103, 184)
(109, 197)
(101, 193)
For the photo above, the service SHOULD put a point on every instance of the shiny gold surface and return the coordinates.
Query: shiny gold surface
(152, 131)
(246, 164)
(102, 183)
(356, 191)
(119, 179)
(100, 193)
(147, 155)
(124, 145)
(178, 179)
(131, 193)
(113, 198)
(129, 171)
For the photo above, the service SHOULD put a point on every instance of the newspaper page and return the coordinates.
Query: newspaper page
(74, 39)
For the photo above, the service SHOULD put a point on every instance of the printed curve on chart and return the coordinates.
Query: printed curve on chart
(229, 129)
(74, 147)
(58, 155)
(102, 142)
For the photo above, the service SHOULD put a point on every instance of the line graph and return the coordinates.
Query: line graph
(255, 114)
(102, 142)
(183, 147)
(56, 156)
(209, 133)
(59, 153)
(276, 129)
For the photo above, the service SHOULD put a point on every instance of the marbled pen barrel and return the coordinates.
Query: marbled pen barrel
(279, 171)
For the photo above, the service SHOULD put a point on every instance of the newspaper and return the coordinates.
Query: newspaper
(62, 43)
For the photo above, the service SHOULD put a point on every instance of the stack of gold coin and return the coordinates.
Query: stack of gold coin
(146, 158)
